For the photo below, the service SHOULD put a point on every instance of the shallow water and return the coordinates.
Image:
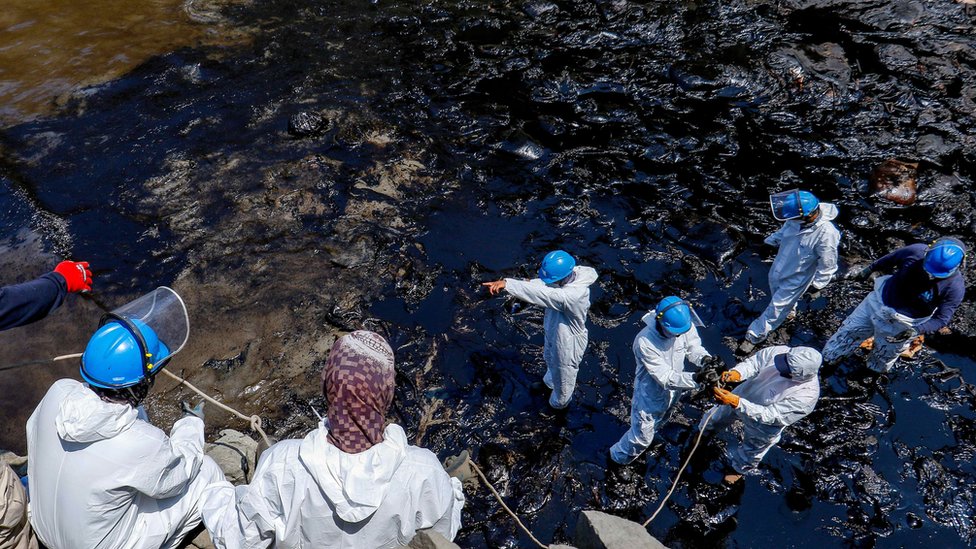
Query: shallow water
(465, 140)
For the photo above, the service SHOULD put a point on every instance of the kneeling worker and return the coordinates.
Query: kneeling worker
(781, 387)
(100, 475)
(353, 482)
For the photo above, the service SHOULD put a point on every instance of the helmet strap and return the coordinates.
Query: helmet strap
(147, 362)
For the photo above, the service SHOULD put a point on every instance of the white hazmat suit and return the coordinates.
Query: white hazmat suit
(308, 493)
(564, 325)
(768, 402)
(101, 477)
(807, 257)
(659, 382)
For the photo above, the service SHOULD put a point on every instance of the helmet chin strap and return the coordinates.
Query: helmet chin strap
(145, 355)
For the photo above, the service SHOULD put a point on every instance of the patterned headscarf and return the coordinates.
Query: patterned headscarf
(358, 383)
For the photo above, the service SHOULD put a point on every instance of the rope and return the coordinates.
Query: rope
(683, 465)
(509, 511)
(255, 420)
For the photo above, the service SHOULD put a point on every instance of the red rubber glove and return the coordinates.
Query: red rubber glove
(76, 274)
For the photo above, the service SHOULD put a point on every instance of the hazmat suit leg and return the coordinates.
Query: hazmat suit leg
(15, 531)
(745, 456)
(562, 367)
(857, 327)
(781, 303)
(637, 438)
(180, 514)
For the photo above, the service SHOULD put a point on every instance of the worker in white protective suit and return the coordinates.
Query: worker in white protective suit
(100, 475)
(563, 288)
(807, 258)
(353, 482)
(668, 340)
(780, 387)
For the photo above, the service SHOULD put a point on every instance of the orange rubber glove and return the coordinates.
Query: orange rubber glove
(731, 376)
(726, 397)
(77, 275)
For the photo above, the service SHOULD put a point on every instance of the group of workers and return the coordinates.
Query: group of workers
(778, 385)
(101, 475)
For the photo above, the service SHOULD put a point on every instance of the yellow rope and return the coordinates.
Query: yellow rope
(509, 511)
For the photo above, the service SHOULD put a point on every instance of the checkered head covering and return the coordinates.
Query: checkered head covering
(358, 383)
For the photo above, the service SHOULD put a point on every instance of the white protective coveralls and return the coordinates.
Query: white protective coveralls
(807, 256)
(564, 326)
(872, 318)
(101, 477)
(15, 531)
(660, 381)
(768, 404)
(308, 493)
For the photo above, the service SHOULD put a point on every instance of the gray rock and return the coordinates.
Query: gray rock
(596, 530)
(430, 539)
(236, 454)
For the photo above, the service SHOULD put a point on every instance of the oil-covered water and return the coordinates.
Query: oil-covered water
(464, 140)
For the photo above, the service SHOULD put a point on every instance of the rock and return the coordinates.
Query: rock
(895, 180)
(236, 454)
(430, 539)
(561, 546)
(308, 124)
(201, 541)
(596, 530)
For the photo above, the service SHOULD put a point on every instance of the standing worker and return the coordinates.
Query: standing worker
(353, 482)
(100, 475)
(563, 288)
(780, 387)
(919, 298)
(669, 337)
(807, 257)
(22, 304)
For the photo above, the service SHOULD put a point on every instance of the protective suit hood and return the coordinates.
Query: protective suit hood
(84, 417)
(355, 483)
(828, 212)
(582, 276)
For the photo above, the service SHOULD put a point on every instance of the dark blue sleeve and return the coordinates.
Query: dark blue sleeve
(899, 257)
(25, 303)
(951, 297)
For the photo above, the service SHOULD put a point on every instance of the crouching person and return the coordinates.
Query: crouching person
(780, 387)
(350, 483)
(15, 531)
(100, 475)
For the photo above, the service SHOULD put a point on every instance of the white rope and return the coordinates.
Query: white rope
(509, 511)
(677, 477)
(255, 420)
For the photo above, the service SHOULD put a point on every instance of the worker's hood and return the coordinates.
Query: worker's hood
(828, 212)
(582, 276)
(84, 417)
(356, 484)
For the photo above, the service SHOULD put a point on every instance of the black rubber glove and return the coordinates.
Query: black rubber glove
(902, 336)
(196, 411)
(713, 362)
(706, 376)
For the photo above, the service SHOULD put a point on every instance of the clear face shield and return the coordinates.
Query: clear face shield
(786, 205)
(159, 323)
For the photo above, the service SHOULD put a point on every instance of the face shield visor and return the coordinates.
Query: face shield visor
(786, 205)
(159, 323)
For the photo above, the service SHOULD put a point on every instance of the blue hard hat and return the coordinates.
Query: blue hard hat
(115, 358)
(556, 266)
(944, 257)
(673, 316)
(793, 204)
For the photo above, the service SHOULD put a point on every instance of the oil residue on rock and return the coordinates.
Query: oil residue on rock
(450, 143)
